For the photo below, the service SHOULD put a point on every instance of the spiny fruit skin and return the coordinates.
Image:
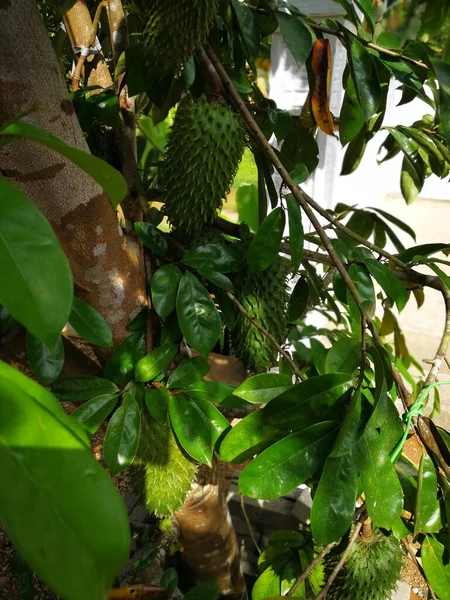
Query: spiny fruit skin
(203, 153)
(264, 296)
(174, 29)
(370, 572)
(162, 474)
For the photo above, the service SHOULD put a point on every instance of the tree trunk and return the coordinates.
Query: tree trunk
(106, 266)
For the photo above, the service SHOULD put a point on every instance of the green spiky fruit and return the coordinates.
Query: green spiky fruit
(203, 153)
(370, 572)
(263, 295)
(174, 29)
(162, 474)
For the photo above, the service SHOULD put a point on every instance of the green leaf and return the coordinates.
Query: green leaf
(197, 425)
(43, 458)
(426, 493)
(400, 224)
(78, 389)
(333, 505)
(209, 590)
(120, 367)
(298, 300)
(260, 389)
(366, 292)
(188, 372)
(351, 118)
(213, 391)
(214, 257)
(388, 281)
(93, 412)
(198, 317)
(288, 463)
(352, 426)
(297, 36)
(218, 279)
(367, 8)
(44, 364)
(35, 279)
(422, 250)
(365, 77)
(249, 32)
(122, 436)
(355, 152)
(169, 580)
(248, 437)
(344, 356)
(90, 324)
(112, 182)
(309, 400)
(164, 288)
(382, 489)
(296, 234)
(264, 248)
(152, 237)
(442, 71)
(155, 363)
(157, 402)
(268, 585)
(438, 573)
(413, 167)
(247, 205)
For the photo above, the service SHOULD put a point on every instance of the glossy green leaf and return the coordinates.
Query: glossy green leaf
(362, 223)
(226, 307)
(268, 585)
(213, 391)
(93, 412)
(44, 364)
(422, 250)
(310, 399)
(296, 234)
(111, 180)
(78, 389)
(352, 426)
(287, 463)
(264, 248)
(436, 570)
(355, 152)
(248, 437)
(43, 458)
(366, 292)
(209, 590)
(442, 71)
(367, 8)
(218, 279)
(122, 436)
(426, 493)
(247, 205)
(198, 317)
(197, 425)
(90, 324)
(214, 257)
(351, 118)
(412, 178)
(188, 372)
(35, 279)
(249, 31)
(388, 281)
(297, 36)
(152, 237)
(333, 505)
(344, 356)
(155, 363)
(400, 224)
(382, 489)
(164, 288)
(365, 77)
(435, 155)
(157, 402)
(260, 389)
(298, 300)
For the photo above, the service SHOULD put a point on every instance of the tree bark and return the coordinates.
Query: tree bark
(105, 265)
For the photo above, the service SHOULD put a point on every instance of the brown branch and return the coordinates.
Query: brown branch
(410, 551)
(341, 35)
(117, 28)
(445, 340)
(266, 333)
(89, 43)
(307, 572)
(337, 569)
(211, 74)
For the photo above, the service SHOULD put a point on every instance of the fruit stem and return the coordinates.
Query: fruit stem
(367, 535)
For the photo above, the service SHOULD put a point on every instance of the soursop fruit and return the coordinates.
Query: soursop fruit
(264, 295)
(162, 474)
(370, 572)
(174, 29)
(203, 153)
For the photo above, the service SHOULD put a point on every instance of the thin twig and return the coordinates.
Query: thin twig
(307, 572)
(335, 573)
(444, 343)
(419, 567)
(249, 525)
(211, 74)
(266, 333)
(90, 42)
(298, 194)
(340, 34)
